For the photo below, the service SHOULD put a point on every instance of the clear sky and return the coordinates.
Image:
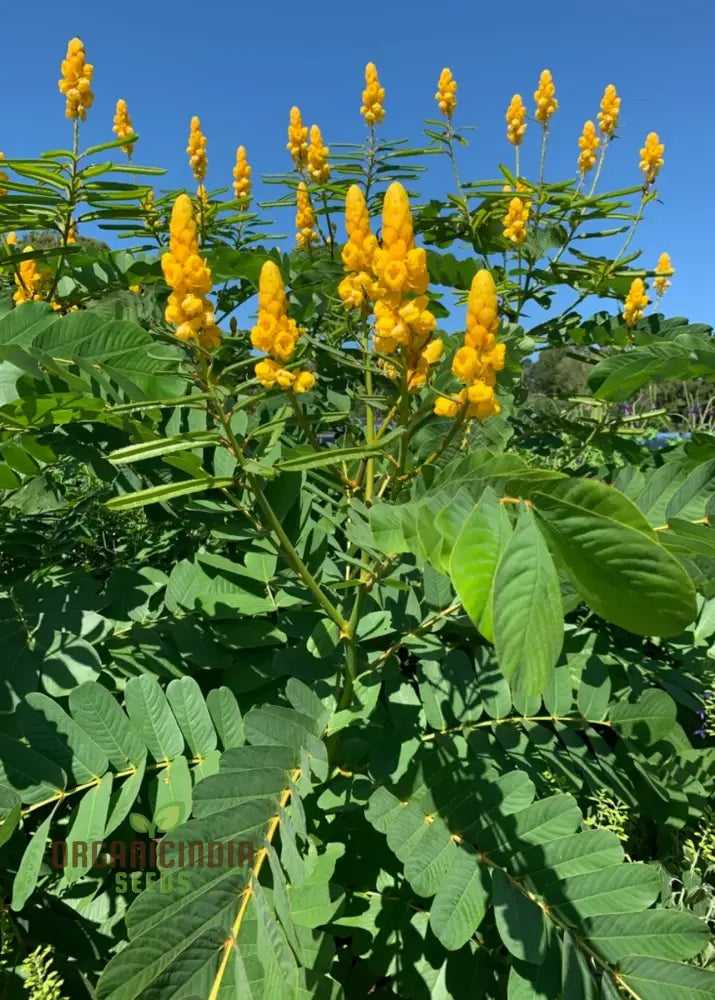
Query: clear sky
(240, 66)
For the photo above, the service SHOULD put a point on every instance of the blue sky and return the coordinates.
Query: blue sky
(240, 67)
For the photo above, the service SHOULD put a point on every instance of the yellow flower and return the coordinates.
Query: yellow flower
(588, 143)
(476, 363)
(3, 177)
(32, 282)
(446, 93)
(11, 239)
(297, 135)
(358, 287)
(373, 95)
(186, 273)
(304, 218)
(318, 153)
(652, 157)
(664, 270)
(636, 301)
(276, 334)
(196, 149)
(403, 321)
(610, 110)
(545, 97)
(135, 288)
(515, 120)
(242, 177)
(515, 221)
(72, 232)
(123, 125)
(76, 81)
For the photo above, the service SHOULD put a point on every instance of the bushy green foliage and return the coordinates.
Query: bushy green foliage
(463, 716)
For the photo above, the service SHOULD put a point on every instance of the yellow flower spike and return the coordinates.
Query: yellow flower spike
(545, 97)
(358, 287)
(515, 221)
(652, 157)
(297, 136)
(242, 177)
(186, 273)
(476, 363)
(318, 153)
(276, 335)
(636, 301)
(3, 177)
(76, 81)
(122, 126)
(446, 93)
(11, 239)
(588, 143)
(304, 218)
(664, 269)
(373, 95)
(196, 149)
(610, 111)
(32, 282)
(515, 120)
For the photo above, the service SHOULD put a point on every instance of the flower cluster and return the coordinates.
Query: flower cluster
(242, 177)
(476, 363)
(76, 81)
(652, 157)
(318, 152)
(373, 95)
(545, 97)
(32, 283)
(664, 269)
(515, 120)
(515, 221)
(402, 317)
(636, 301)
(297, 135)
(190, 281)
(304, 218)
(588, 143)
(610, 110)
(198, 161)
(446, 96)
(123, 125)
(276, 334)
(358, 287)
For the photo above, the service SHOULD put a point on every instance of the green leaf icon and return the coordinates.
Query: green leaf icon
(140, 823)
(168, 816)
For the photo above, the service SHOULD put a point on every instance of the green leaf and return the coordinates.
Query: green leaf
(520, 922)
(33, 776)
(49, 730)
(189, 708)
(99, 715)
(665, 934)
(460, 903)
(619, 570)
(475, 557)
(10, 812)
(152, 718)
(648, 719)
(29, 871)
(86, 829)
(224, 711)
(331, 456)
(656, 979)
(578, 983)
(527, 613)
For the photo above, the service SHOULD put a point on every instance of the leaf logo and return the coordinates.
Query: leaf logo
(166, 818)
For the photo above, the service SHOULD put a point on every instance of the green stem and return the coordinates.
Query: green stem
(289, 552)
(71, 205)
(369, 418)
